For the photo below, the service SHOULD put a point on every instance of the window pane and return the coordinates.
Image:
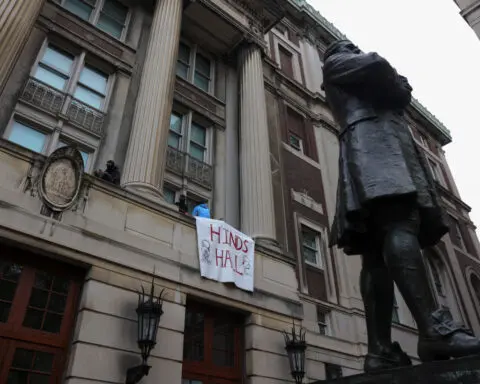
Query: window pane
(309, 238)
(310, 255)
(115, 10)
(176, 123)
(174, 140)
(197, 152)
(57, 59)
(50, 78)
(94, 79)
(184, 53)
(199, 134)
(182, 70)
(169, 195)
(88, 97)
(201, 82)
(79, 8)
(27, 137)
(109, 25)
(202, 65)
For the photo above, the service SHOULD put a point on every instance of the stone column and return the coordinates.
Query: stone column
(144, 166)
(17, 18)
(257, 215)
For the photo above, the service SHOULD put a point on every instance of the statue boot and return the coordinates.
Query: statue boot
(393, 358)
(446, 339)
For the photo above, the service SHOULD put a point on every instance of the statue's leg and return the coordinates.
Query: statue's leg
(376, 287)
(403, 257)
(439, 337)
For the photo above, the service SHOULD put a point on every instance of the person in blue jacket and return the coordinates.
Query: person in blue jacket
(202, 210)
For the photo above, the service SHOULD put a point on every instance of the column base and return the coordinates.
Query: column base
(148, 192)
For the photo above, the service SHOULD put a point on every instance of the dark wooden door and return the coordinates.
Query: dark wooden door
(38, 300)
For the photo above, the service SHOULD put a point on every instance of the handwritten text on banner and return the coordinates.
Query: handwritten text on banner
(225, 254)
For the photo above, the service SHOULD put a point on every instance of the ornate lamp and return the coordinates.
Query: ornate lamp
(295, 346)
(149, 311)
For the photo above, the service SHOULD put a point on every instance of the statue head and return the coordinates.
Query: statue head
(341, 46)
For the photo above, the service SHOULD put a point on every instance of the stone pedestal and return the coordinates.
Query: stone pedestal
(459, 371)
(145, 162)
(17, 18)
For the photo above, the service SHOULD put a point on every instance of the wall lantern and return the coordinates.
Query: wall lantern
(149, 311)
(295, 346)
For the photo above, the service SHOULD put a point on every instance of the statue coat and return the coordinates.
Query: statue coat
(379, 159)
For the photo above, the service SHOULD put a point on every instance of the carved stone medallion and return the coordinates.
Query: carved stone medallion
(61, 178)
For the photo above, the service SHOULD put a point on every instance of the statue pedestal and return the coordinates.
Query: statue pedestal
(459, 371)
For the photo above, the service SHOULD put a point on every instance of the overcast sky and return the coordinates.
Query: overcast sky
(430, 43)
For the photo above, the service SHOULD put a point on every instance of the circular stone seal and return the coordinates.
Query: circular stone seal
(61, 178)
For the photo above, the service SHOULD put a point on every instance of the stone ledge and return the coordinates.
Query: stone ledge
(459, 371)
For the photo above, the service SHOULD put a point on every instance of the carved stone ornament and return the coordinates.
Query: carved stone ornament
(61, 179)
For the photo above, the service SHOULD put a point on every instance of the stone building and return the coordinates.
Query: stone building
(470, 11)
(218, 100)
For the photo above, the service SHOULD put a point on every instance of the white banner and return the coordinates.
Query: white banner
(225, 254)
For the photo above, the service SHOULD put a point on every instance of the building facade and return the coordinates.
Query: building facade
(470, 11)
(216, 100)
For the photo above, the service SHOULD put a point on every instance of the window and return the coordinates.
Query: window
(286, 61)
(27, 137)
(169, 194)
(212, 345)
(58, 69)
(194, 67)
(91, 87)
(37, 311)
(111, 16)
(197, 141)
(322, 321)
(295, 142)
(333, 371)
(311, 247)
(54, 68)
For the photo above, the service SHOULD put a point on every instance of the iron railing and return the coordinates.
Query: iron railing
(187, 166)
(51, 100)
(86, 116)
(43, 96)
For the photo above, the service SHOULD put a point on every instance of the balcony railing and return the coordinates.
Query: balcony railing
(43, 96)
(86, 116)
(183, 164)
(52, 100)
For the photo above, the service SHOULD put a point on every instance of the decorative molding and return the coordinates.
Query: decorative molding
(306, 200)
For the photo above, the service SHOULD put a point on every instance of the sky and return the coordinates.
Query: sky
(431, 44)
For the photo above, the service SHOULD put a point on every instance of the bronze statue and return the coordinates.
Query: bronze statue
(387, 208)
